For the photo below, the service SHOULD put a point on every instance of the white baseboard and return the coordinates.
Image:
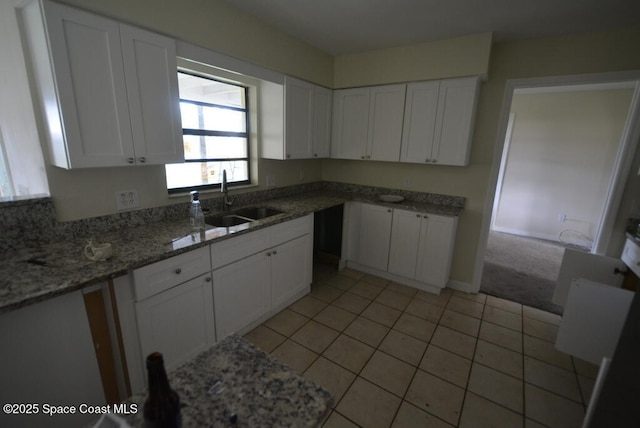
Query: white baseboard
(465, 287)
(395, 278)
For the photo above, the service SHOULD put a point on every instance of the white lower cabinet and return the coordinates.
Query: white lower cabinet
(241, 293)
(375, 232)
(422, 246)
(182, 305)
(247, 290)
(178, 322)
(291, 268)
(405, 246)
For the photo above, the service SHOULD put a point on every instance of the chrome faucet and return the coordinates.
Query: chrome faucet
(224, 188)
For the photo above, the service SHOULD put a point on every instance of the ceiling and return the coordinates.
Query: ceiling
(350, 26)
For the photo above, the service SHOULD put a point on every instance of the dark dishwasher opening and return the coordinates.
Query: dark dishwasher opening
(327, 235)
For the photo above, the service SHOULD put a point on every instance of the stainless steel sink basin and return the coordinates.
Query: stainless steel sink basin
(241, 216)
(257, 213)
(226, 220)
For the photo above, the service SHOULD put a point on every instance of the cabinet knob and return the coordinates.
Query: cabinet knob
(288, 156)
(178, 271)
(208, 279)
(389, 210)
(315, 155)
(426, 216)
(142, 159)
(418, 215)
(131, 160)
(362, 157)
(269, 253)
(368, 156)
(434, 160)
(275, 252)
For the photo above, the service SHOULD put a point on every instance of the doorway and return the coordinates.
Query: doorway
(564, 161)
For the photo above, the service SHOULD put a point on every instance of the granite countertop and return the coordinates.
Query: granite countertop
(31, 275)
(235, 377)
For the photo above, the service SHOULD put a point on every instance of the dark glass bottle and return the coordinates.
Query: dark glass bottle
(162, 406)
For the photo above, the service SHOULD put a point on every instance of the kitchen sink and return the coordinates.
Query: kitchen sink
(226, 220)
(241, 216)
(257, 213)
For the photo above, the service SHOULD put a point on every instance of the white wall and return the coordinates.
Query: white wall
(559, 161)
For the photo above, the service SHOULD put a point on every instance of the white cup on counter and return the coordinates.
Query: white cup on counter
(98, 252)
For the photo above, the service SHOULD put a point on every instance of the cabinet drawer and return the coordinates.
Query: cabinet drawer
(289, 230)
(238, 247)
(160, 276)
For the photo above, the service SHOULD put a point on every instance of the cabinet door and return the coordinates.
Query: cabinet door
(298, 118)
(178, 322)
(405, 239)
(455, 121)
(375, 232)
(241, 293)
(321, 122)
(419, 121)
(290, 269)
(350, 123)
(437, 236)
(386, 112)
(86, 104)
(152, 93)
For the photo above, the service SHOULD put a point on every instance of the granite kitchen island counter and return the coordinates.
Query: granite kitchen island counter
(235, 377)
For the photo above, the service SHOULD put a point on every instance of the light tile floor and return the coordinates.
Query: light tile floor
(393, 356)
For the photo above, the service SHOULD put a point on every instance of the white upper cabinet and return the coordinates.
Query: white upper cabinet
(439, 121)
(305, 121)
(386, 111)
(298, 119)
(367, 123)
(109, 92)
(350, 124)
(322, 104)
(152, 88)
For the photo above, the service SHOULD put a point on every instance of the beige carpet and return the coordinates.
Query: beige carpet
(522, 269)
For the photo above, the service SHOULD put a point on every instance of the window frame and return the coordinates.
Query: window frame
(215, 133)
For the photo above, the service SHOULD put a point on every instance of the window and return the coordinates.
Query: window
(215, 127)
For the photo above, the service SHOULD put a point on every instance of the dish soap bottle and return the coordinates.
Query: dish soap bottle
(196, 216)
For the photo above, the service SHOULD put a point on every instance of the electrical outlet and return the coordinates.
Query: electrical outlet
(301, 175)
(271, 181)
(406, 182)
(562, 218)
(127, 200)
